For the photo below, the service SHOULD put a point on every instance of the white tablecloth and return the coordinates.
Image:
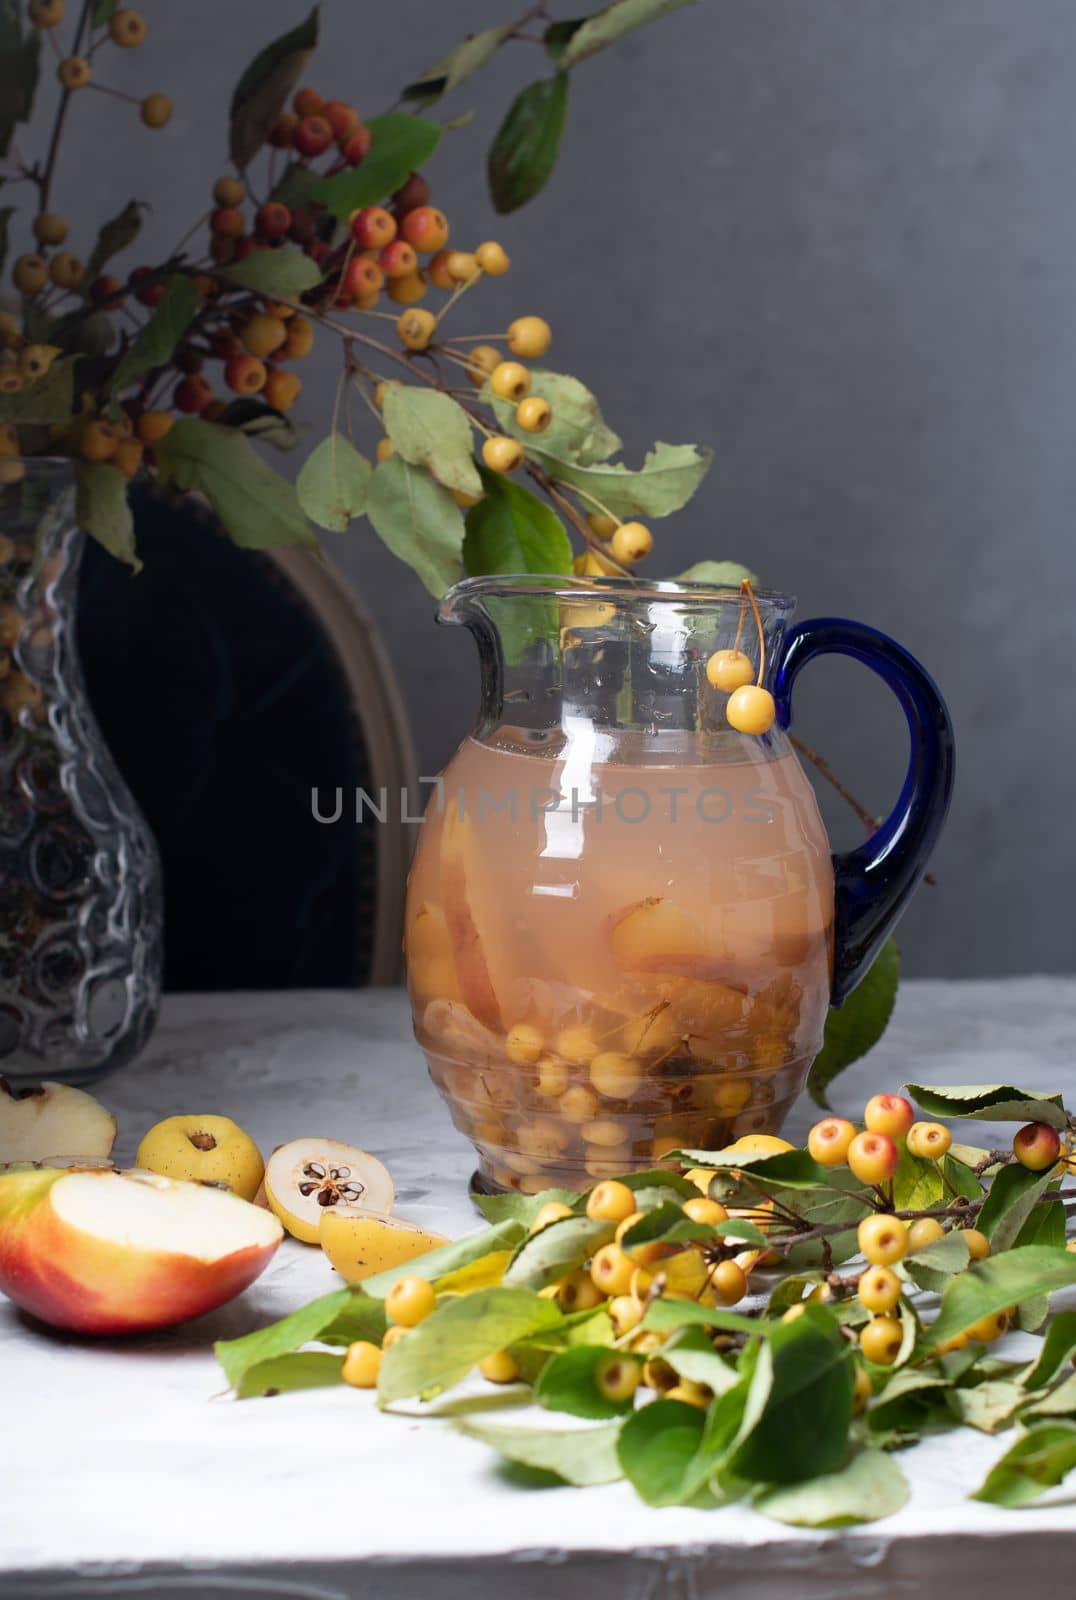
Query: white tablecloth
(125, 1470)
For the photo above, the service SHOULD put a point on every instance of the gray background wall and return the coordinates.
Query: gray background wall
(837, 242)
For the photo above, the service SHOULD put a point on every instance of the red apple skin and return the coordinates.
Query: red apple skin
(72, 1279)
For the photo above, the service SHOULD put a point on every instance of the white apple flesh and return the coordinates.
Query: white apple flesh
(126, 1252)
(54, 1120)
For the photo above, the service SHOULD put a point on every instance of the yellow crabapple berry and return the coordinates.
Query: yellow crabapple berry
(829, 1140)
(393, 1336)
(30, 274)
(482, 361)
(751, 709)
(502, 454)
(600, 525)
(578, 1292)
(882, 1239)
(529, 337)
(523, 1044)
(880, 1340)
(928, 1140)
(616, 1377)
(610, 1201)
(262, 334)
(283, 130)
(245, 374)
(384, 449)
(701, 1177)
(1037, 1146)
(461, 266)
(552, 1076)
(272, 220)
(127, 28)
(229, 191)
(410, 1301)
(631, 542)
(614, 1075)
(510, 380)
(307, 102)
(300, 339)
(862, 1391)
(192, 394)
(226, 222)
(437, 270)
(698, 1395)
(873, 1157)
(11, 380)
(611, 1271)
(728, 1280)
(362, 276)
(534, 414)
(156, 110)
(425, 228)
(9, 446)
(416, 328)
(890, 1114)
(492, 258)
(153, 425)
(878, 1289)
(397, 259)
(36, 359)
(500, 1367)
(312, 136)
(98, 440)
(552, 1211)
(47, 13)
(702, 1209)
(127, 456)
(361, 1365)
(372, 227)
(408, 290)
(50, 228)
(987, 1329)
(625, 1313)
(578, 1104)
(412, 193)
(922, 1232)
(977, 1242)
(342, 119)
(727, 670)
(74, 72)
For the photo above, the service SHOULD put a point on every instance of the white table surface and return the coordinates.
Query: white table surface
(124, 1469)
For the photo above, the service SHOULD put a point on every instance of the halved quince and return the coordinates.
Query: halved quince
(359, 1246)
(310, 1177)
(469, 948)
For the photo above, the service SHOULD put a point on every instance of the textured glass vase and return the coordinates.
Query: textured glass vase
(80, 882)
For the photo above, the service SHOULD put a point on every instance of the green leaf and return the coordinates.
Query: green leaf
(909, 1395)
(432, 430)
(717, 574)
(1036, 1462)
(581, 1456)
(258, 420)
(577, 432)
(1013, 1197)
(869, 1487)
(457, 1336)
(103, 11)
(333, 483)
(665, 1315)
(855, 1027)
(668, 478)
(418, 520)
(668, 1223)
(115, 236)
(557, 35)
(803, 1429)
(1000, 1281)
(263, 90)
(987, 1406)
(20, 63)
(789, 1169)
(103, 511)
(522, 1208)
(306, 1369)
(988, 1102)
(544, 1257)
(50, 399)
(6, 214)
(567, 1383)
(934, 1267)
(1045, 1225)
(524, 150)
(1059, 1346)
(459, 64)
(83, 332)
(510, 530)
(258, 508)
(449, 1257)
(1060, 1402)
(154, 343)
(400, 144)
(605, 27)
(656, 1447)
(917, 1185)
(239, 1356)
(284, 273)
(692, 1356)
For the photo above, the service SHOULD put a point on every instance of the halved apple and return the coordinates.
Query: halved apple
(126, 1252)
(656, 935)
(359, 1246)
(468, 947)
(53, 1120)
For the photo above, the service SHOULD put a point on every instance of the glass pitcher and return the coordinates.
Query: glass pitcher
(624, 924)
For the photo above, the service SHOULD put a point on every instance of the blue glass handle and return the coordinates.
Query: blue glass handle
(873, 883)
